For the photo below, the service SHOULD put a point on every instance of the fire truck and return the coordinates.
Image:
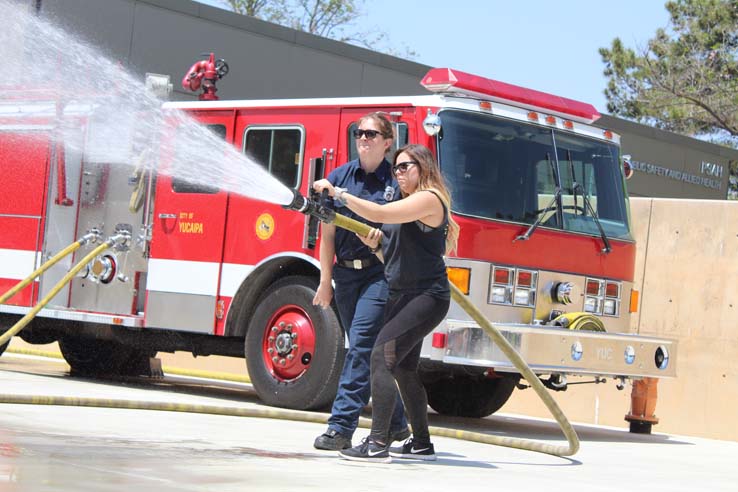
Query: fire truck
(546, 249)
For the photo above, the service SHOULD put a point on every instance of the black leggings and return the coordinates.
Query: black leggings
(395, 357)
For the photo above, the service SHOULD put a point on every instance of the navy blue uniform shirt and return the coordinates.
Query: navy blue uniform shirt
(379, 187)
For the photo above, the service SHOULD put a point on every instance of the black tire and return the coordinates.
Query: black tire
(90, 356)
(463, 396)
(137, 363)
(308, 380)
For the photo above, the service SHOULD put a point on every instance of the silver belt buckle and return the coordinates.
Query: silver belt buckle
(357, 265)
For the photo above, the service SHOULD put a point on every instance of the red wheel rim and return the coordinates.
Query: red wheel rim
(288, 344)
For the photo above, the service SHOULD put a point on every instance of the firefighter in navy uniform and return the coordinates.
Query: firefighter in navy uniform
(361, 288)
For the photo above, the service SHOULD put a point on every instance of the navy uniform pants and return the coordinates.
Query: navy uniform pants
(360, 297)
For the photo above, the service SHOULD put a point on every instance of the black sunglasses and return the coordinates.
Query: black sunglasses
(402, 166)
(370, 134)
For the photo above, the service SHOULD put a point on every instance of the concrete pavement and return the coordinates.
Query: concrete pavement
(100, 449)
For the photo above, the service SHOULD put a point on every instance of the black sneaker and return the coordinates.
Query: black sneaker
(399, 435)
(332, 440)
(369, 450)
(413, 450)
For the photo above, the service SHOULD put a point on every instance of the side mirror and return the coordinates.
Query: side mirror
(627, 167)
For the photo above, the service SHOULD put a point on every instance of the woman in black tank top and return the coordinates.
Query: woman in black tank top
(418, 231)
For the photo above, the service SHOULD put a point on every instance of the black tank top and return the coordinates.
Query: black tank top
(413, 258)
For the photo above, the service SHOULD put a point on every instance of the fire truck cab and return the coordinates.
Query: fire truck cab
(545, 250)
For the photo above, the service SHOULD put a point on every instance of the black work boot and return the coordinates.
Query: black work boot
(332, 440)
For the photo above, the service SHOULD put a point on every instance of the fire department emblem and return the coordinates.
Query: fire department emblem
(264, 226)
(389, 194)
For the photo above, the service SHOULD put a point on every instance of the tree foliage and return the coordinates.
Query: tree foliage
(335, 19)
(686, 79)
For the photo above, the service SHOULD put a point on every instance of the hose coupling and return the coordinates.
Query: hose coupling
(121, 238)
(93, 236)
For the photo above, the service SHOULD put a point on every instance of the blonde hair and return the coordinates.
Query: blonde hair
(432, 180)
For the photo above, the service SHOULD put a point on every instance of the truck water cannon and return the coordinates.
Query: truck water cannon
(204, 74)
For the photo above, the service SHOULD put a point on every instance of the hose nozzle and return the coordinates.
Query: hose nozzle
(314, 206)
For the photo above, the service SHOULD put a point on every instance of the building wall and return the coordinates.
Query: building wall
(266, 60)
(270, 61)
(670, 165)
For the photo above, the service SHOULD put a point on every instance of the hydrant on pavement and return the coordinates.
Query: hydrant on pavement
(642, 415)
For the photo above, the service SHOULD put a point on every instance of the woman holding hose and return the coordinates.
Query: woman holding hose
(418, 231)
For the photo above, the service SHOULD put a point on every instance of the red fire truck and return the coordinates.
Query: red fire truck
(546, 250)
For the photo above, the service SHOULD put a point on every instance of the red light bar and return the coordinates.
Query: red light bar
(449, 80)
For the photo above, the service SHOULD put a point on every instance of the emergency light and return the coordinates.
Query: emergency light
(441, 80)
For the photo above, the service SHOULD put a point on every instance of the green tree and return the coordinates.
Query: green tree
(335, 19)
(686, 79)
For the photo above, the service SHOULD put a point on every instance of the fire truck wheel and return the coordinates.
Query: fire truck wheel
(470, 397)
(93, 356)
(138, 363)
(294, 350)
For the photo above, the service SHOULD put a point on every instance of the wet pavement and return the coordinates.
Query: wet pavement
(60, 448)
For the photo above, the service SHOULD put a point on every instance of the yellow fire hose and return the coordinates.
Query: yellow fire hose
(302, 416)
(40, 270)
(517, 361)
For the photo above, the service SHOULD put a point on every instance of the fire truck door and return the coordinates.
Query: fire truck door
(186, 254)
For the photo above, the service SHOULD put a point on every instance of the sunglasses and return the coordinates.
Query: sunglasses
(401, 167)
(370, 134)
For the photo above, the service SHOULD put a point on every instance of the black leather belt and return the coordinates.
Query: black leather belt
(358, 264)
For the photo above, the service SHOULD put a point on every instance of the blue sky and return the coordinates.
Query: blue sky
(547, 45)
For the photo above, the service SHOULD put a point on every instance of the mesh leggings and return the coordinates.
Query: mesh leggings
(395, 357)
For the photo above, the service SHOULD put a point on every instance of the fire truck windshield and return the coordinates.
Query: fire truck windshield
(508, 170)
